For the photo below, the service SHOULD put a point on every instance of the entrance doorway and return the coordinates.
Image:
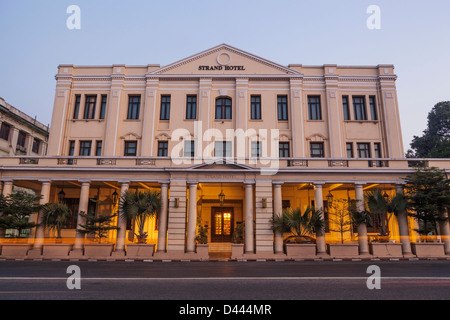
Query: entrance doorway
(222, 225)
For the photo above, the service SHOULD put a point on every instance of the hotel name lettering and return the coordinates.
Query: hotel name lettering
(218, 68)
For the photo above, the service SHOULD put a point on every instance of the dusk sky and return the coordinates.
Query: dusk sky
(414, 36)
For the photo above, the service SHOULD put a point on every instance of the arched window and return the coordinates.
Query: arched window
(223, 108)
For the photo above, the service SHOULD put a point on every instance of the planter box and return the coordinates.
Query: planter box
(428, 249)
(57, 250)
(345, 250)
(237, 250)
(98, 250)
(386, 249)
(140, 251)
(202, 251)
(15, 251)
(300, 251)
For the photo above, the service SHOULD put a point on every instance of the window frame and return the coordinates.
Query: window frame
(282, 108)
(5, 131)
(373, 108)
(314, 108)
(83, 148)
(284, 149)
(366, 149)
(255, 107)
(127, 144)
(89, 107)
(346, 107)
(134, 107)
(103, 104)
(164, 113)
(321, 149)
(191, 107)
(225, 107)
(359, 108)
(76, 108)
(163, 147)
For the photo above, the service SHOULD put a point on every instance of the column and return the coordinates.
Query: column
(445, 232)
(83, 208)
(403, 228)
(121, 222)
(249, 246)
(362, 228)
(162, 228)
(277, 211)
(318, 202)
(40, 229)
(192, 218)
(7, 190)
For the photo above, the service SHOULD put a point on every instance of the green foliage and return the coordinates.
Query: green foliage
(435, 141)
(340, 217)
(202, 233)
(55, 216)
(238, 234)
(139, 206)
(428, 196)
(99, 226)
(299, 225)
(16, 209)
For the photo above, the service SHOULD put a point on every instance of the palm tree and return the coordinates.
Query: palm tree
(382, 208)
(139, 206)
(299, 225)
(55, 216)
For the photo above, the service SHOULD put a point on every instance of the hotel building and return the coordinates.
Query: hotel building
(227, 138)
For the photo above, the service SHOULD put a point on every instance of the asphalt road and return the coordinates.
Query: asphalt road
(224, 281)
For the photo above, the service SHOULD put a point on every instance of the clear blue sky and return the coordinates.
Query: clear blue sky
(414, 36)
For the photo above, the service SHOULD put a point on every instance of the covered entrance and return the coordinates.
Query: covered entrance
(222, 224)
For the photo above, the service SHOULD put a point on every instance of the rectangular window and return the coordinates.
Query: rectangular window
(98, 148)
(189, 148)
(255, 107)
(314, 109)
(21, 138)
(284, 150)
(222, 149)
(76, 109)
(256, 150)
(85, 148)
(71, 148)
(134, 107)
(373, 108)
(130, 148)
(36, 145)
(191, 107)
(349, 150)
(345, 108)
(103, 107)
(4, 131)
(317, 150)
(377, 150)
(89, 107)
(163, 148)
(282, 108)
(165, 108)
(359, 106)
(363, 150)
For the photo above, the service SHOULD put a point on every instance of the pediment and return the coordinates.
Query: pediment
(220, 166)
(224, 60)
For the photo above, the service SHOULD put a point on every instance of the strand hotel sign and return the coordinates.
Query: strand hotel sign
(223, 61)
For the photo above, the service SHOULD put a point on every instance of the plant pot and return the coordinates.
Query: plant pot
(56, 250)
(386, 249)
(237, 250)
(140, 251)
(15, 251)
(343, 250)
(428, 249)
(98, 250)
(202, 251)
(300, 250)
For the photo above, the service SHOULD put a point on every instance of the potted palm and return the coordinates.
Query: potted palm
(382, 208)
(201, 240)
(139, 206)
(55, 216)
(300, 228)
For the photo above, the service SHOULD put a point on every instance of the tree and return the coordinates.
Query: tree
(428, 196)
(139, 206)
(17, 208)
(55, 216)
(340, 217)
(99, 226)
(299, 225)
(202, 233)
(435, 141)
(382, 208)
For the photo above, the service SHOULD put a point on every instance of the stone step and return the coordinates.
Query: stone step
(220, 247)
